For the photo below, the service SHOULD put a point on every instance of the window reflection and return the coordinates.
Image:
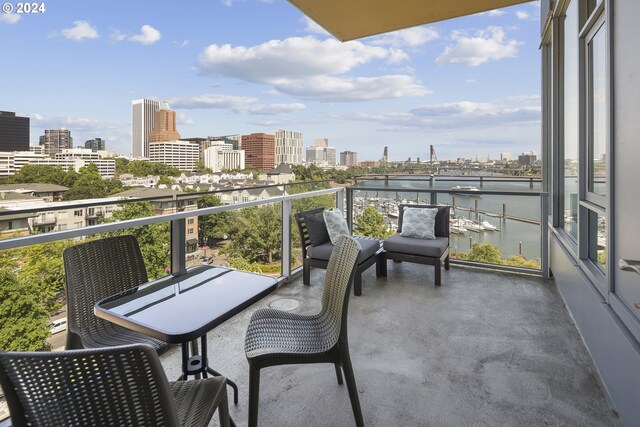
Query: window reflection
(598, 240)
(597, 113)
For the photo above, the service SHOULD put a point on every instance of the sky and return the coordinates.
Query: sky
(469, 86)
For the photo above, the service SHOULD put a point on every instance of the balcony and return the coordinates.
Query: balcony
(488, 347)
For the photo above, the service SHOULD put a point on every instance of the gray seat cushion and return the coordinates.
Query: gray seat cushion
(409, 245)
(368, 248)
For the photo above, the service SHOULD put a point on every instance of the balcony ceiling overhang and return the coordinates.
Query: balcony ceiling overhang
(354, 19)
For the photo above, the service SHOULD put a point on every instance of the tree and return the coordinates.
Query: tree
(23, 319)
(257, 235)
(89, 185)
(242, 264)
(485, 252)
(214, 226)
(371, 224)
(165, 180)
(154, 239)
(41, 174)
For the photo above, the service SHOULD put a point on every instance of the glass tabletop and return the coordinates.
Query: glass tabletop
(182, 308)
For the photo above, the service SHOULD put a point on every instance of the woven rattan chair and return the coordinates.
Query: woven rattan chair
(112, 386)
(277, 337)
(96, 270)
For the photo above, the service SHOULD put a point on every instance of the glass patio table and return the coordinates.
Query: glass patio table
(181, 309)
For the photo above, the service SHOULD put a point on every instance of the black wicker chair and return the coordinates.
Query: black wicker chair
(318, 255)
(112, 386)
(431, 252)
(277, 337)
(96, 270)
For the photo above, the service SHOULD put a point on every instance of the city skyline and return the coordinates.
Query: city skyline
(442, 84)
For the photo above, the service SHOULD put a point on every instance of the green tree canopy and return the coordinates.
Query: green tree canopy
(23, 318)
(371, 224)
(88, 185)
(214, 226)
(256, 235)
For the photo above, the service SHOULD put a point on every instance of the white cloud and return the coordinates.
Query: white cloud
(472, 81)
(493, 13)
(181, 44)
(9, 18)
(183, 119)
(521, 14)
(310, 26)
(487, 45)
(307, 67)
(411, 37)
(347, 89)
(455, 116)
(81, 30)
(148, 35)
(118, 36)
(294, 57)
(238, 104)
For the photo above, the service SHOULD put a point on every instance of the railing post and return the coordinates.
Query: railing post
(434, 198)
(178, 249)
(544, 238)
(286, 239)
(349, 209)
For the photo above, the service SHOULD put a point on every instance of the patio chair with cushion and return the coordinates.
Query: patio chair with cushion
(112, 386)
(422, 237)
(317, 247)
(96, 270)
(277, 337)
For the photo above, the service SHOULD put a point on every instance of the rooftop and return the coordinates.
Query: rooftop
(486, 348)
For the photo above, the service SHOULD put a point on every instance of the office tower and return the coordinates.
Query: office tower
(527, 158)
(349, 158)
(141, 125)
(321, 142)
(14, 132)
(321, 155)
(96, 144)
(221, 156)
(259, 150)
(288, 147)
(55, 140)
(182, 155)
(505, 157)
(164, 125)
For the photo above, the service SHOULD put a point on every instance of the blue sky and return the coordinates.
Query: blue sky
(469, 86)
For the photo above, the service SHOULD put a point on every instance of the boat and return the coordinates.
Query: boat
(486, 225)
(473, 226)
(394, 212)
(456, 226)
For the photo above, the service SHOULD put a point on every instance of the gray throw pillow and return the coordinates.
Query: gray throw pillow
(317, 229)
(419, 223)
(336, 224)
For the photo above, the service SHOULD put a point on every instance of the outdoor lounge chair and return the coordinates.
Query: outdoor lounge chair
(317, 255)
(422, 251)
(277, 337)
(96, 270)
(111, 386)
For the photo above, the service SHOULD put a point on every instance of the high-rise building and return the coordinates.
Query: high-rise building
(349, 158)
(55, 140)
(141, 125)
(182, 155)
(95, 144)
(505, 157)
(259, 150)
(164, 125)
(321, 155)
(321, 142)
(288, 146)
(527, 158)
(14, 132)
(221, 156)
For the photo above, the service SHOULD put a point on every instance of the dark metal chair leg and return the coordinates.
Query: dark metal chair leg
(306, 273)
(446, 263)
(351, 385)
(357, 283)
(254, 395)
(381, 265)
(438, 274)
(338, 373)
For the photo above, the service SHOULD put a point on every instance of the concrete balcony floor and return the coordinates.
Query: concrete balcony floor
(485, 349)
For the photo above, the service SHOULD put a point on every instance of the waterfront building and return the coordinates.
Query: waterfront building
(164, 125)
(96, 144)
(182, 155)
(528, 158)
(259, 149)
(505, 157)
(142, 115)
(349, 158)
(14, 132)
(55, 140)
(288, 147)
(321, 155)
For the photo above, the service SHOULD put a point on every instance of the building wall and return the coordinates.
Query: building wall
(349, 158)
(55, 140)
(96, 144)
(288, 147)
(222, 157)
(603, 299)
(179, 154)
(259, 150)
(14, 132)
(164, 127)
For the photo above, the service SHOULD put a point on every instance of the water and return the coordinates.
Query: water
(513, 237)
